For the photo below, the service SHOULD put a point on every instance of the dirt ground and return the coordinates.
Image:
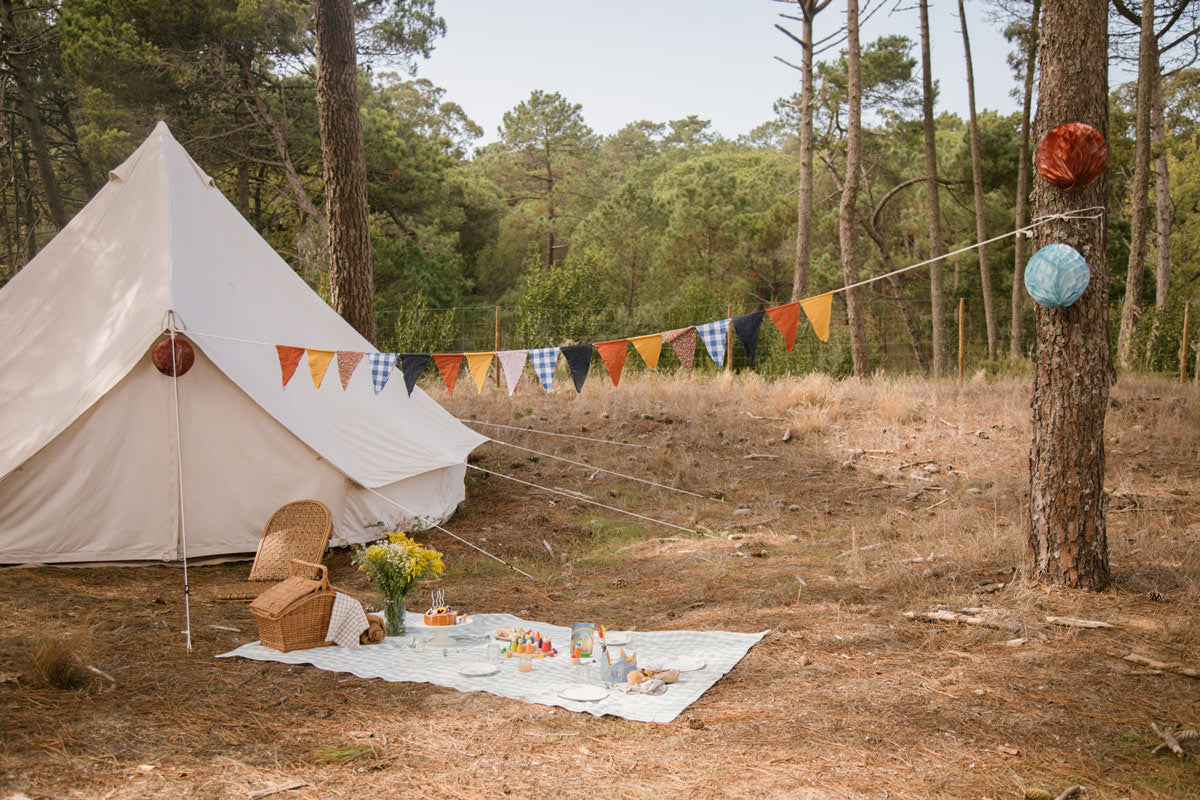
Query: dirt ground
(846, 504)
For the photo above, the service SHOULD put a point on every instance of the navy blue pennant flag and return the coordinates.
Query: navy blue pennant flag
(579, 358)
(748, 327)
(412, 365)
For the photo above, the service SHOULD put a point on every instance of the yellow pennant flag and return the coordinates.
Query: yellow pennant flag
(478, 364)
(648, 348)
(318, 363)
(817, 310)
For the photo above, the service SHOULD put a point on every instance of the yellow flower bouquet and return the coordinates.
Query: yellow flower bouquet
(394, 566)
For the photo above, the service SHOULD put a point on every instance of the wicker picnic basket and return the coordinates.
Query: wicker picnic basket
(294, 614)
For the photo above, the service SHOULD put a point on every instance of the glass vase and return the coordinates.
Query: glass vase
(393, 615)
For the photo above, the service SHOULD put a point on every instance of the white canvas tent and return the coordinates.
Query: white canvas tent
(88, 443)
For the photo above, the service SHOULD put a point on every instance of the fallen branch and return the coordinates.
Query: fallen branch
(759, 456)
(772, 419)
(1171, 741)
(1070, 792)
(1072, 622)
(103, 674)
(963, 619)
(1178, 669)
(283, 787)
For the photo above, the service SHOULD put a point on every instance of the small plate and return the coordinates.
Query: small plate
(683, 663)
(582, 692)
(618, 638)
(477, 669)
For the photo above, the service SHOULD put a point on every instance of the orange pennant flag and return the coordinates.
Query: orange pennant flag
(478, 364)
(289, 358)
(448, 364)
(648, 348)
(787, 319)
(613, 354)
(817, 310)
(318, 363)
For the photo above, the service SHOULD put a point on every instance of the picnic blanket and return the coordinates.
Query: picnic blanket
(396, 660)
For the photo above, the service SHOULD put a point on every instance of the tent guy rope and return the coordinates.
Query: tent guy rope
(552, 433)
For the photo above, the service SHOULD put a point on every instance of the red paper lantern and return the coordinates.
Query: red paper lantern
(1072, 155)
(185, 356)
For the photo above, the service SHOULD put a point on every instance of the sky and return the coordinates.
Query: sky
(627, 60)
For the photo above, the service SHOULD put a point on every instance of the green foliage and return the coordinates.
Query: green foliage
(556, 305)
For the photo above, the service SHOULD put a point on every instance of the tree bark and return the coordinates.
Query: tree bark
(804, 204)
(854, 312)
(1023, 163)
(1131, 308)
(1066, 535)
(985, 272)
(33, 119)
(350, 275)
(1162, 198)
(937, 281)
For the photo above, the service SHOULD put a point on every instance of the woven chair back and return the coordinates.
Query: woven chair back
(299, 530)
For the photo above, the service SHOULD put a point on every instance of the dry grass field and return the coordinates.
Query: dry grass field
(845, 504)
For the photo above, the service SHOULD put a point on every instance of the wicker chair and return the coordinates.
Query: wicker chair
(299, 530)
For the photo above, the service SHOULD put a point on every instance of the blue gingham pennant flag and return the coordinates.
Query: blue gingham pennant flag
(715, 335)
(382, 365)
(544, 362)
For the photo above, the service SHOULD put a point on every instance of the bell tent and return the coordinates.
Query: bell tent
(92, 440)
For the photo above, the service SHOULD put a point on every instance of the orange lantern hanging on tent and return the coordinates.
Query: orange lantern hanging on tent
(184, 357)
(1073, 155)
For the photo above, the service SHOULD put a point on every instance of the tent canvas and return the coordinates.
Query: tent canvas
(88, 445)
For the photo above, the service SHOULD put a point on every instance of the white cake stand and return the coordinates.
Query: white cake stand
(441, 633)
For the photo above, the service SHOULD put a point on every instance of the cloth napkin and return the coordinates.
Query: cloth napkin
(347, 621)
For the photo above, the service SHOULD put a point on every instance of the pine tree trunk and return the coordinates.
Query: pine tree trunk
(985, 272)
(1023, 163)
(937, 281)
(1162, 199)
(1131, 309)
(848, 221)
(33, 119)
(804, 205)
(1066, 526)
(350, 275)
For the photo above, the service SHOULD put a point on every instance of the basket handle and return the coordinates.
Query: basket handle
(315, 567)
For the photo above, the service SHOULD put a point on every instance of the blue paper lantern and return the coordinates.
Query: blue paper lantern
(1056, 276)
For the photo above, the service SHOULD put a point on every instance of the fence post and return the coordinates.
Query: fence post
(497, 346)
(729, 340)
(961, 304)
(1183, 342)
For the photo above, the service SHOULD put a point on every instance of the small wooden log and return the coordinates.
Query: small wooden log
(1178, 669)
(943, 615)
(1070, 792)
(1072, 622)
(1169, 741)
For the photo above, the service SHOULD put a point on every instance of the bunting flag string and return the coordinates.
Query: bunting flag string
(748, 327)
(544, 360)
(448, 364)
(683, 341)
(348, 361)
(412, 365)
(579, 359)
(382, 365)
(648, 347)
(715, 336)
(318, 363)
(513, 364)
(289, 358)
(787, 318)
(477, 365)
(613, 353)
(817, 309)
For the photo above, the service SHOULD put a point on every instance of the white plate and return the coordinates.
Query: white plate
(683, 663)
(618, 638)
(583, 692)
(477, 669)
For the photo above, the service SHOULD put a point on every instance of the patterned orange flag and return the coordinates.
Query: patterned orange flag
(817, 310)
(348, 361)
(448, 364)
(649, 348)
(787, 319)
(613, 354)
(318, 363)
(289, 358)
(478, 364)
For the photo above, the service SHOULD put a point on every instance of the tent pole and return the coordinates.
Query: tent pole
(187, 607)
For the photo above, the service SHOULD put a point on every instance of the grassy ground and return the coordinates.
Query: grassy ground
(885, 496)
